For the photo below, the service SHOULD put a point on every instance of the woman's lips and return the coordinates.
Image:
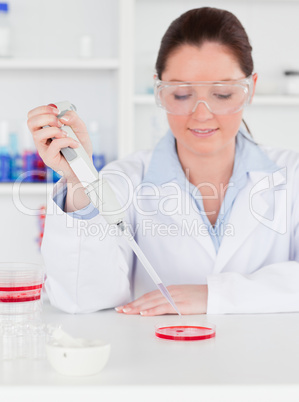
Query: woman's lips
(203, 133)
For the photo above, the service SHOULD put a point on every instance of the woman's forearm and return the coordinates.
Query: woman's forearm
(76, 198)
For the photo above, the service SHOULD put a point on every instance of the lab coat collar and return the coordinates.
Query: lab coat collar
(251, 165)
(259, 198)
(264, 176)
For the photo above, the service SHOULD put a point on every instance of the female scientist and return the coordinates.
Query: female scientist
(216, 214)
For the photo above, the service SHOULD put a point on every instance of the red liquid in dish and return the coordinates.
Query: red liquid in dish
(19, 294)
(19, 288)
(185, 333)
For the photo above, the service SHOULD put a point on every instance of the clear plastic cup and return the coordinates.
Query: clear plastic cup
(24, 340)
(20, 288)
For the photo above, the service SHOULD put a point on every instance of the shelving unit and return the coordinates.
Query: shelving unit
(276, 100)
(45, 67)
(59, 64)
(130, 104)
(26, 188)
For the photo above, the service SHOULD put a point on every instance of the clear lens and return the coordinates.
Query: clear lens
(219, 98)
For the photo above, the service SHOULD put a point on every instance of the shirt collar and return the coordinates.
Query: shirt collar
(165, 166)
(164, 162)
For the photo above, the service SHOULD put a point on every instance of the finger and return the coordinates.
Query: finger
(144, 306)
(39, 121)
(71, 119)
(51, 154)
(174, 292)
(43, 135)
(164, 308)
(143, 299)
(156, 295)
(46, 109)
(57, 144)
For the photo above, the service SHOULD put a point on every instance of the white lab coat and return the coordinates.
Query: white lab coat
(256, 269)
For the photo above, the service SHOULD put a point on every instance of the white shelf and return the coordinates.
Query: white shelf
(59, 64)
(279, 100)
(144, 99)
(26, 188)
(262, 100)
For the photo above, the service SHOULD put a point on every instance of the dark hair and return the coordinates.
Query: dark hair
(206, 24)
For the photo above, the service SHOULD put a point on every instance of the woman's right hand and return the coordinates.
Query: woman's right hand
(48, 149)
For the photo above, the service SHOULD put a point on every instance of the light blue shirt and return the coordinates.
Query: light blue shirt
(165, 167)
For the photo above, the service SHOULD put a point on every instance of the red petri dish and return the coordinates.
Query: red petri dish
(185, 332)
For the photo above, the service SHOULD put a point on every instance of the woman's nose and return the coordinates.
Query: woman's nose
(201, 111)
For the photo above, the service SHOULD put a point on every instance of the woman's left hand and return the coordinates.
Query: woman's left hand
(189, 299)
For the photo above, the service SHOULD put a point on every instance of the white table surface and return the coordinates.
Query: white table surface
(252, 358)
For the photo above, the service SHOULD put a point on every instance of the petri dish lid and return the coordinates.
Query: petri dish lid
(185, 332)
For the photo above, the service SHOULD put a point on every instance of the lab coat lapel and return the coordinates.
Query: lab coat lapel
(250, 210)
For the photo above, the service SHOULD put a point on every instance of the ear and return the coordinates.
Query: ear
(254, 78)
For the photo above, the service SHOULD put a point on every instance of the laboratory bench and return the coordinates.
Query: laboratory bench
(251, 358)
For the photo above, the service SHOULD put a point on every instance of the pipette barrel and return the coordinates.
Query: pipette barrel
(147, 265)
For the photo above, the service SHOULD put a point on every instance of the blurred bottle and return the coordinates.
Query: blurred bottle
(5, 31)
(41, 224)
(28, 154)
(98, 157)
(40, 169)
(292, 82)
(16, 163)
(4, 152)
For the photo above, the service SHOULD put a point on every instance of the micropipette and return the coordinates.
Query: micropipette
(103, 198)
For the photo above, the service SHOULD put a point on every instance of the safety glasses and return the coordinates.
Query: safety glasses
(220, 97)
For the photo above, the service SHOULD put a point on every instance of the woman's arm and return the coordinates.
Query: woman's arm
(88, 266)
